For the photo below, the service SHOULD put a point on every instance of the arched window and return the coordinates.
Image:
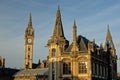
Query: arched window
(28, 56)
(27, 65)
(66, 68)
(82, 67)
(53, 52)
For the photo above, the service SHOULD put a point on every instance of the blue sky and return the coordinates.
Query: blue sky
(92, 17)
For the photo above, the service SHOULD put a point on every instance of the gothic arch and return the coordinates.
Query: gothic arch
(66, 60)
(82, 58)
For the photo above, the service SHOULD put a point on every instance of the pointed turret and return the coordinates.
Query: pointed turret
(29, 30)
(74, 33)
(75, 46)
(109, 38)
(58, 28)
(58, 38)
(30, 21)
(109, 45)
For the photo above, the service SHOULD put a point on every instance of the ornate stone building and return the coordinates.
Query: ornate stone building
(81, 60)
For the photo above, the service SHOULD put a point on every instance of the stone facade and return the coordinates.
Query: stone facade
(81, 60)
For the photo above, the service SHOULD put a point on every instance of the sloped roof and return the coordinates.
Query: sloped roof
(82, 43)
(58, 29)
(7, 71)
(69, 48)
(32, 72)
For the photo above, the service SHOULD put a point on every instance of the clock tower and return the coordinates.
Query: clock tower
(29, 40)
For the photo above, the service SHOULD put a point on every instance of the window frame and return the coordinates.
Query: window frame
(82, 67)
(67, 68)
(53, 53)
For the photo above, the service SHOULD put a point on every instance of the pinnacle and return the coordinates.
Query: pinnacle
(30, 21)
(74, 23)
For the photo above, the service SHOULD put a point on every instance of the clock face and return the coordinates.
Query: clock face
(29, 40)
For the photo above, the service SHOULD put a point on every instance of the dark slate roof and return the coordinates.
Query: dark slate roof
(69, 48)
(82, 44)
(33, 72)
(34, 65)
(7, 72)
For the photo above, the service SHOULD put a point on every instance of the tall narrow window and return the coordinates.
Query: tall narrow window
(97, 69)
(66, 68)
(53, 65)
(93, 68)
(53, 71)
(53, 52)
(82, 67)
(28, 56)
(28, 48)
(53, 76)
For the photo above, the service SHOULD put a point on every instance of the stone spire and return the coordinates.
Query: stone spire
(30, 21)
(29, 30)
(74, 33)
(29, 42)
(75, 46)
(58, 28)
(109, 38)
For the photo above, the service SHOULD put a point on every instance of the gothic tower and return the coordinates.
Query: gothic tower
(29, 40)
(56, 45)
(75, 45)
(109, 42)
(112, 57)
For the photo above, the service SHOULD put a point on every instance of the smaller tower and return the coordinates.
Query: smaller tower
(29, 40)
(56, 45)
(75, 46)
(109, 42)
(58, 42)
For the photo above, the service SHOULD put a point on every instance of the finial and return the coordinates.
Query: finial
(108, 36)
(30, 20)
(58, 15)
(108, 27)
(74, 23)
